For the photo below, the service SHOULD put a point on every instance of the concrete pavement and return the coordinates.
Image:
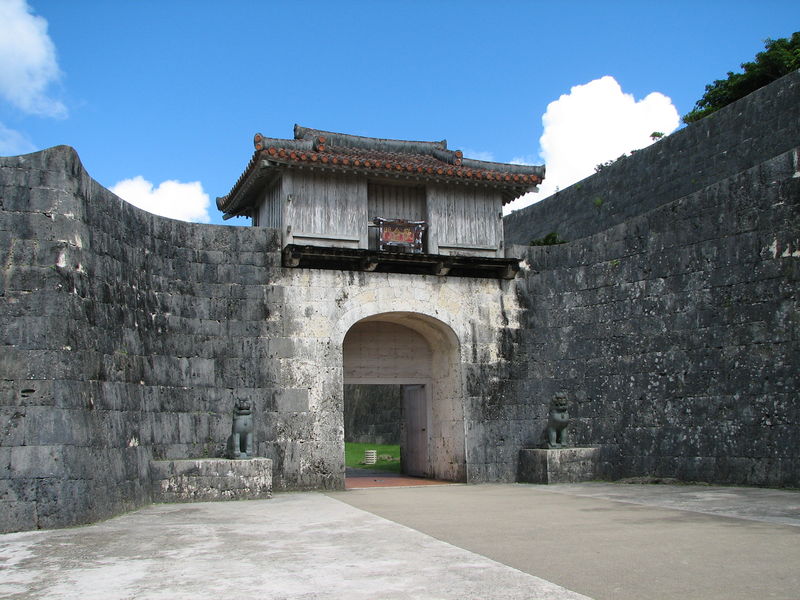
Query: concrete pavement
(616, 541)
(305, 545)
(606, 541)
(755, 504)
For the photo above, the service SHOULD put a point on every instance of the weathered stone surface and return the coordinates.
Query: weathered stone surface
(203, 480)
(676, 333)
(559, 465)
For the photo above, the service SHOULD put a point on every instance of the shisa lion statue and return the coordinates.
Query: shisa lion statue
(557, 422)
(240, 442)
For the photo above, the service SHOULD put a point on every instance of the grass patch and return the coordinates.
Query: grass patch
(388, 456)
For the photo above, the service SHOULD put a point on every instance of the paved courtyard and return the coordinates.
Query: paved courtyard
(601, 541)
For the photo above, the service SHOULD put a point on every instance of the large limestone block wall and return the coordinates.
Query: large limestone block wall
(675, 333)
(471, 324)
(123, 337)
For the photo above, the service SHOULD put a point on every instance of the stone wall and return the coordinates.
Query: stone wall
(741, 135)
(676, 334)
(474, 319)
(125, 337)
(670, 320)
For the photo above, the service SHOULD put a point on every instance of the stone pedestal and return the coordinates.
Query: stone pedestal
(211, 479)
(559, 465)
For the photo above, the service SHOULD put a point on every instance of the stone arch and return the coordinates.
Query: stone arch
(440, 306)
(415, 349)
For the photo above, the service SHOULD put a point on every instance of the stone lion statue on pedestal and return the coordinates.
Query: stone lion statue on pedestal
(557, 422)
(240, 442)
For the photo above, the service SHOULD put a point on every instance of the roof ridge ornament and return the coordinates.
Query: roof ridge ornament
(346, 140)
(264, 143)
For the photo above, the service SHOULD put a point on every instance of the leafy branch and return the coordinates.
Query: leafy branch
(780, 57)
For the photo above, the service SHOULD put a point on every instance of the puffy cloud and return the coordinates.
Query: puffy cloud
(594, 123)
(173, 199)
(27, 60)
(478, 155)
(13, 142)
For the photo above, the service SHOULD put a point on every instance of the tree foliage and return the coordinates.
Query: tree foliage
(780, 57)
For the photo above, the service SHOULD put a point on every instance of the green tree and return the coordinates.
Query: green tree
(780, 57)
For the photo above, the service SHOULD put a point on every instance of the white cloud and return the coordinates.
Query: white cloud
(478, 155)
(528, 159)
(594, 123)
(173, 199)
(27, 61)
(13, 142)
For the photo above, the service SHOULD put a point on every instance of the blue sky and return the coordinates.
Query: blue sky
(174, 91)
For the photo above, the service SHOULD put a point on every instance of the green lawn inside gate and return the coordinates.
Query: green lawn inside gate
(388, 456)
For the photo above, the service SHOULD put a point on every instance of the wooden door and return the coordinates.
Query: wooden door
(415, 411)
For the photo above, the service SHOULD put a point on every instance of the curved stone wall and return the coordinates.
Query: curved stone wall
(670, 318)
(125, 337)
(676, 334)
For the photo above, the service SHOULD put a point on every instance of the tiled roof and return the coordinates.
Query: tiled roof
(401, 159)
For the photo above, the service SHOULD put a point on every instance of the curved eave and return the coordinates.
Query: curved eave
(510, 189)
(240, 199)
(266, 165)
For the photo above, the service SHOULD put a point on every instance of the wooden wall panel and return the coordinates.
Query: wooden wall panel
(325, 210)
(394, 202)
(465, 220)
(270, 211)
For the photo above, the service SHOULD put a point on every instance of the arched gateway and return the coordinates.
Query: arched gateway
(397, 245)
(421, 354)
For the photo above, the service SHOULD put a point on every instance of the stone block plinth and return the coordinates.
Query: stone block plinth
(559, 465)
(211, 479)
